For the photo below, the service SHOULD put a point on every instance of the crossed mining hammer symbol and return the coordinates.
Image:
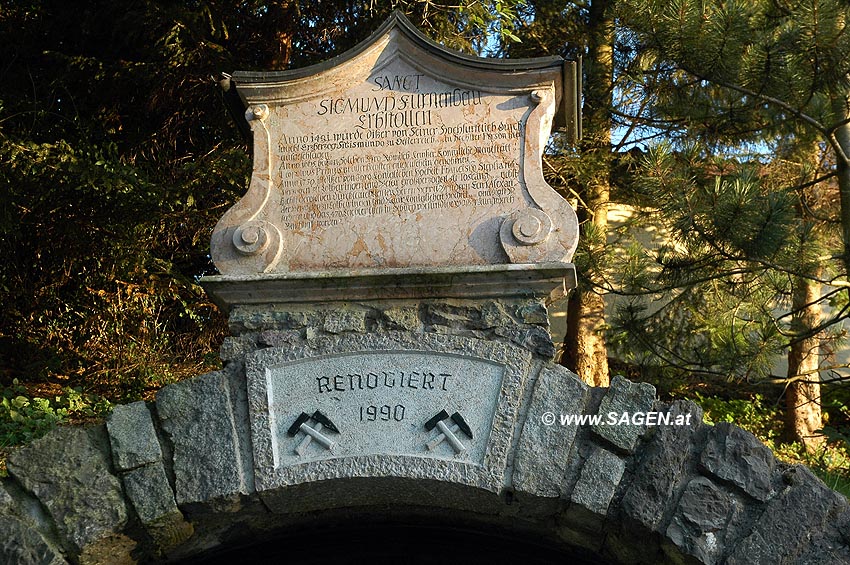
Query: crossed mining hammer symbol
(314, 433)
(447, 433)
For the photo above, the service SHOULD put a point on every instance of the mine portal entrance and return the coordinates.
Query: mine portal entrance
(398, 544)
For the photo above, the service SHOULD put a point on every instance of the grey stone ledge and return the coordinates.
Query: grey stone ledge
(516, 320)
(199, 419)
(802, 515)
(479, 281)
(150, 493)
(69, 471)
(701, 520)
(599, 479)
(543, 451)
(734, 455)
(662, 468)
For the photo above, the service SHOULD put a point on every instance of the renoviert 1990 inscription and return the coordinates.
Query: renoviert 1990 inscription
(400, 154)
(382, 405)
(381, 402)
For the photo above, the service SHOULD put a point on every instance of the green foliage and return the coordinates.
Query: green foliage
(489, 21)
(708, 296)
(716, 206)
(113, 181)
(24, 418)
(748, 230)
(117, 157)
(745, 68)
(754, 414)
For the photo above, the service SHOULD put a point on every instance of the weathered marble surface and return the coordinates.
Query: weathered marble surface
(397, 154)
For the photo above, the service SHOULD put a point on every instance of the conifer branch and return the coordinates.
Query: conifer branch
(805, 377)
(839, 125)
(572, 191)
(607, 287)
(631, 127)
(668, 355)
(813, 331)
(828, 133)
(810, 304)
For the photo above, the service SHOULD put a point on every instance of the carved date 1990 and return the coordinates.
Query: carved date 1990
(383, 413)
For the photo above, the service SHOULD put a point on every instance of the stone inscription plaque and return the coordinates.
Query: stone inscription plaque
(398, 144)
(368, 406)
(399, 154)
(379, 403)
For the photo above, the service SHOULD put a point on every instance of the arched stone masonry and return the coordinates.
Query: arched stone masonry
(182, 480)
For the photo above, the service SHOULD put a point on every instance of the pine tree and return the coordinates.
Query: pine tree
(775, 74)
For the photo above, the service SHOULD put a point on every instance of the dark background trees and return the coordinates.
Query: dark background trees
(114, 157)
(117, 157)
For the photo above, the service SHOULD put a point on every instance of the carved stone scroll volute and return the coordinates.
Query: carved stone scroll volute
(244, 239)
(533, 235)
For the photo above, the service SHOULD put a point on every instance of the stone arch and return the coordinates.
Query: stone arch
(174, 482)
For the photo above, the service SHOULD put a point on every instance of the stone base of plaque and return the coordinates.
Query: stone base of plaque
(503, 303)
(549, 281)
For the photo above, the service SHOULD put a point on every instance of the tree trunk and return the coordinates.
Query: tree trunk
(585, 351)
(803, 416)
(803, 409)
(282, 18)
(841, 109)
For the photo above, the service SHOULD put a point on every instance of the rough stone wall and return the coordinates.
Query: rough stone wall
(175, 478)
(519, 321)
